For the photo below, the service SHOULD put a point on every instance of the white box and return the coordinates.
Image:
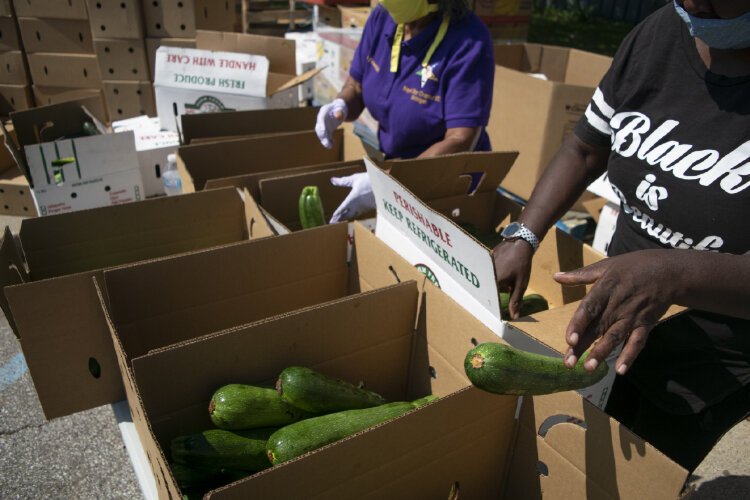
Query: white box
(605, 228)
(104, 171)
(191, 81)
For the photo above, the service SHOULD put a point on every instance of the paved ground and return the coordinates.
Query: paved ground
(83, 456)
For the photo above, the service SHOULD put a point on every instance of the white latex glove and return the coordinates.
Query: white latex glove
(330, 116)
(360, 199)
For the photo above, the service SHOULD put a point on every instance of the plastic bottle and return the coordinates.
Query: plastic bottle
(170, 177)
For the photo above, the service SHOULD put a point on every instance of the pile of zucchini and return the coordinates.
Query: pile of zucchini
(259, 427)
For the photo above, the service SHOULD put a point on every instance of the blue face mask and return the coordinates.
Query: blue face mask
(718, 33)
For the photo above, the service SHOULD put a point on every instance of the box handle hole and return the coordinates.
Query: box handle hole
(433, 372)
(395, 274)
(95, 368)
(474, 342)
(542, 468)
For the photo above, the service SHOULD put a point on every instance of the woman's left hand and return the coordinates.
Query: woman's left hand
(630, 294)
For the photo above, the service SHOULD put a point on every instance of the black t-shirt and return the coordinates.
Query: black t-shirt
(680, 163)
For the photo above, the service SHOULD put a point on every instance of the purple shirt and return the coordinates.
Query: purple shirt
(413, 117)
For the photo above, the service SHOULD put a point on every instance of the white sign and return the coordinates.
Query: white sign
(452, 259)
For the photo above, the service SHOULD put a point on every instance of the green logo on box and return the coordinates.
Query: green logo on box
(206, 104)
(428, 272)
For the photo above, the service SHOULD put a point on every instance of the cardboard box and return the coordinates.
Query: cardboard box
(15, 194)
(6, 9)
(422, 454)
(116, 18)
(70, 356)
(153, 146)
(533, 116)
(336, 50)
(78, 71)
(422, 224)
(207, 126)
(15, 98)
(254, 154)
(94, 171)
(69, 9)
(182, 18)
(256, 73)
(10, 37)
(154, 43)
(53, 95)
(13, 69)
(129, 99)
(122, 59)
(354, 17)
(56, 35)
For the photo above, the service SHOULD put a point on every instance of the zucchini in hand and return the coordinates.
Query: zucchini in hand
(239, 406)
(317, 393)
(530, 304)
(501, 369)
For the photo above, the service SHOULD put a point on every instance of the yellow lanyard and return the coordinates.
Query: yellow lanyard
(398, 38)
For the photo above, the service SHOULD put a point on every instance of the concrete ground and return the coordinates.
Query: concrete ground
(83, 456)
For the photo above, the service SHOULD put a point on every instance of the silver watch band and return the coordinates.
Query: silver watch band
(527, 235)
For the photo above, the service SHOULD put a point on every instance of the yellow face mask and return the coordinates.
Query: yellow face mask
(407, 11)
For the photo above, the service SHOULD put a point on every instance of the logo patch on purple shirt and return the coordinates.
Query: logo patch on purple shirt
(427, 73)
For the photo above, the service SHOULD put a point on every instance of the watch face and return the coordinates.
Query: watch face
(510, 230)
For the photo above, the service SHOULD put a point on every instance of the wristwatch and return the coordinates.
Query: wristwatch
(516, 230)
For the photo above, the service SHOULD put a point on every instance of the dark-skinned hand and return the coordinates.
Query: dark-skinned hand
(630, 293)
(512, 271)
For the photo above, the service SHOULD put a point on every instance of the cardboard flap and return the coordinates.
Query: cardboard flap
(14, 151)
(279, 195)
(155, 304)
(252, 155)
(239, 123)
(593, 455)
(48, 123)
(69, 243)
(297, 80)
(12, 272)
(453, 175)
(252, 181)
(281, 53)
(257, 225)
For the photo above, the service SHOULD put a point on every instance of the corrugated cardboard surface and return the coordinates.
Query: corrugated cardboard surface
(45, 96)
(181, 18)
(252, 155)
(68, 9)
(15, 98)
(116, 18)
(69, 249)
(56, 35)
(6, 9)
(10, 36)
(122, 59)
(280, 52)
(127, 99)
(238, 123)
(13, 68)
(15, 194)
(534, 116)
(65, 70)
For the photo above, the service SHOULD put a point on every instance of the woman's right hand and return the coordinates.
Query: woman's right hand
(512, 271)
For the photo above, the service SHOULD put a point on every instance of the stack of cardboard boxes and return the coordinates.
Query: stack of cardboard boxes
(59, 50)
(15, 84)
(117, 29)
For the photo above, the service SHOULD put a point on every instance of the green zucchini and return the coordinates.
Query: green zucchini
(501, 369)
(302, 437)
(317, 393)
(217, 449)
(311, 208)
(239, 407)
(530, 304)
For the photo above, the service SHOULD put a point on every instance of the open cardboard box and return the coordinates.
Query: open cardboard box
(94, 171)
(468, 444)
(49, 298)
(226, 71)
(229, 158)
(532, 115)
